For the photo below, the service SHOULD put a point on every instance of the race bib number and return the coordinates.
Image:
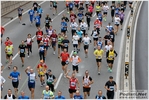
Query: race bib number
(99, 57)
(111, 88)
(111, 56)
(22, 50)
(54, 39)
(15, 79)
(32, 79)
(73, 84)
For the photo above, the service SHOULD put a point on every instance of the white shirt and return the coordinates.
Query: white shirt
(107, 47)
(74, 25)
(83, 26)
(95, 34)
(75, 39)
(75, 60)
(117, 20)
(86, 40)
(2, 80)
(29, 40)
(105, 8)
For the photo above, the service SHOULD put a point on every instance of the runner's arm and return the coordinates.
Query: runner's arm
(115, 53)
(78, 84)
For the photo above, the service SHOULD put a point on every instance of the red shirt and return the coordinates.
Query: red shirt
(92, 1)
(6, 43)
(64, 56)
(53, 37)
(90, 8)
(42, 65)
(97, 23)
(72, 17)
(45, 41)
(2, 30)
(39, 35)
(72, 83)
(76, 2)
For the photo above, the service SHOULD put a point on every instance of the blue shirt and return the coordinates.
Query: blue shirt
(110, 28)
(80, 15)
(70, 5)
(37, 19)
(15, 76)
(41, 48)
(23, 97)
(78, 97)
(31, 79)
(63, 26)
(100, 17)
(99, 43)
(39, 10)
(59, 97)
(31, 12)
(117, 10)
(79, 33)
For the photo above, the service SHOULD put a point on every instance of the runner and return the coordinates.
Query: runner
(3, 80)
(110, 58)
(93, 2)
(35, 5)
(97, 24)
(73, 26)
(67, 5)
(2, 32)
(113, 11)
(50, 31)
(95, 37)
(81, 8)
(100, 18)
(54, 7)
(88, 18)
(98, 9)
(39, 11)
(42, 50)
(9, 52)
(73, 83)
(23, 96)
(37, 21)
(77, 95)
(87, 4)
(105, 9)
(31, 15)
(29, 42)
(111, 87)
(51, 80)
(117, 9)
(39, 35)
(65, 43)
(60, 44)
(46, 42)
(79, 33)
(59, 95)
(90, 9)
(47, 94)
(54, 40)
(72, 16)
(99, 42)
(42, 69)
(80, 17)
(48, 20)
(86, 40)
(65, 18)
(121, 18)
(107, 38)
(75, 39)
(100, 96)
(64, 57)
(130, 4)
(98, 54)
(75, 59)
(112, 37)
(83, 27)
(109, 28)
(20, 13)
(117, 22)
(87, 81)
(70, 5)
(122, 6)
(9, 95)
(51, 4)
(76, 3)
(63, 27)
(31, 80)
(15, 77)
(22, 51)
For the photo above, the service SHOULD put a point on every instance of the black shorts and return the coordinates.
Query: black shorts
(41, 75)
(79, 20)
(55, 6)
(37, 25)
(130, 3)
(63, 63)
(121, 21)
(15, 84)
(31, 85)
(40, 15)
(86, 5)
(105, 13)
(35, 8)
(60, 46)
(75, 68)
(19, 15)
(70, 9)
(98, 60)
(86, 47)
(117, 25)
(76, 5)
(46, 47)
(1, 35)
(64, 31)
(110, 61)
(80, 40)
(38, 41)
(75, 45)
(86, 89)
(97, 12)
(9, 55)
(112, 40)
(72, 91)
(112, 13)
(47, 25)
(95, 39)
(22, 55)
(53, 44)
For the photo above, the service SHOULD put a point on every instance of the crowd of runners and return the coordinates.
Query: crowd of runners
(81, 13)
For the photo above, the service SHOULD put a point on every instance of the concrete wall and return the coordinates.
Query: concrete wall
(8, 6)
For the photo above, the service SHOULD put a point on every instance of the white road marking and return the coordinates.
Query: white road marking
(22, 14)
(94, 15)
(61, 12)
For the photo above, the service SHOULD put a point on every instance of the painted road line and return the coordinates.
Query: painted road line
(32, 38)
(61, 12)
(94, 15)
(22, 15)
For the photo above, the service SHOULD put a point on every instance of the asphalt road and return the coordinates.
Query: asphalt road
(141, 53)
(18, 32)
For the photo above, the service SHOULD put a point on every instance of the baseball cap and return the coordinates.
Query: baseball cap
(49, 70)
(111, 77)
(75, 53)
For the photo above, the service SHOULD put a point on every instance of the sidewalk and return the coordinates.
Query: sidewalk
(14, 13)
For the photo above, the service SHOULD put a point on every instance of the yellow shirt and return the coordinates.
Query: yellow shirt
(98, 8)
(98, 53)
(9, 49)
(41, 70)
(111, 55)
